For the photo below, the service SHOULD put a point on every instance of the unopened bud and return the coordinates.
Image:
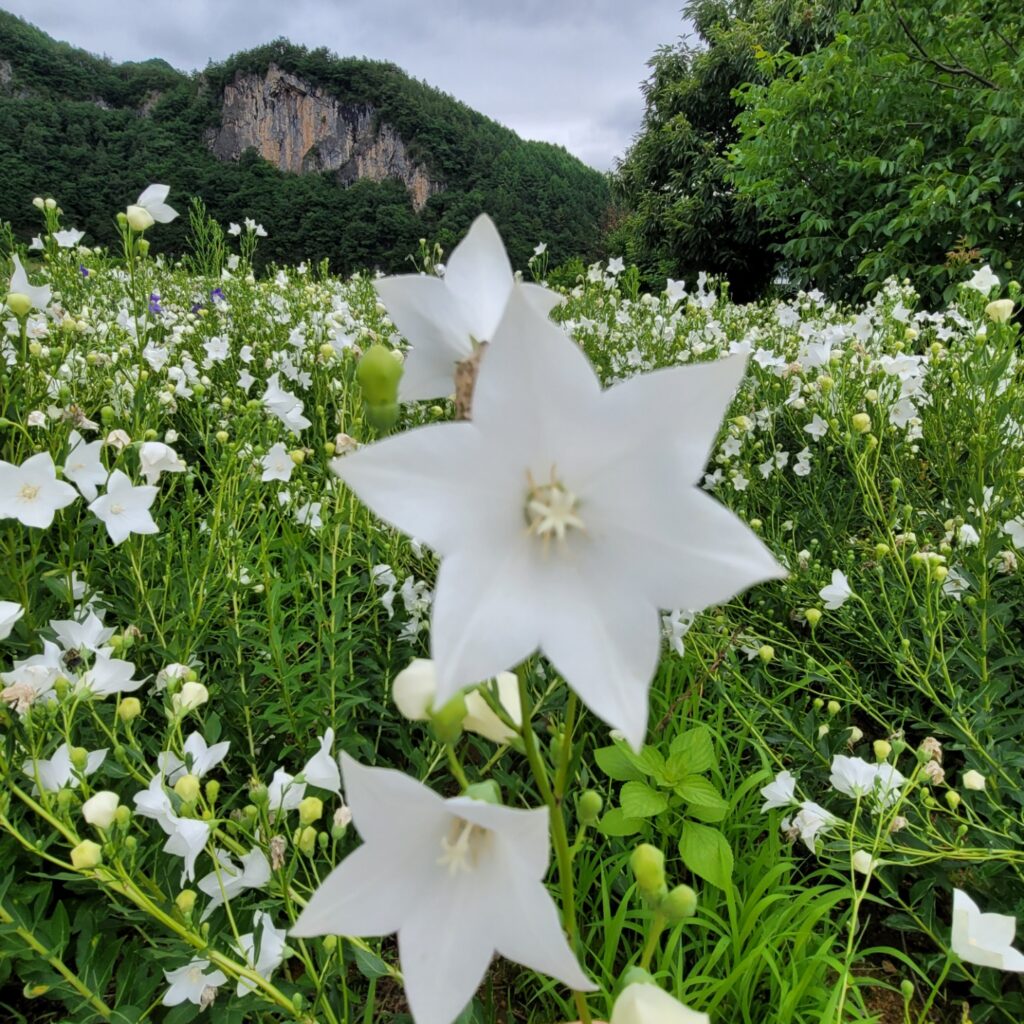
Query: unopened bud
(589, 806)
(953, 798)
(139, 218)
(648, 864)
(833, 707)
(861, 422)
(212, 791)
(973, 780)
(87, 855)
(882, 749)
(766, 652)
(185, 901)
(447, 721)
(79, 758)
(20, 305)
(129, 709)
(680, 903)
(187, 787)
(378, 374)
(100, 809)
(488, 792)
(310, 809)
(307, 840)
(813, 616)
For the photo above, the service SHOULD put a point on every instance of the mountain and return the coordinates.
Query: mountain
(346, 159)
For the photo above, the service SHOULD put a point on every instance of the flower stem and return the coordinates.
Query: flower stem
(557, 821)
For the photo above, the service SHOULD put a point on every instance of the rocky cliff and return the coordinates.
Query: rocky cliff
(300, 128)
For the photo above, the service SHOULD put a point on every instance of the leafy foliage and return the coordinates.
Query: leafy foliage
(894, 150)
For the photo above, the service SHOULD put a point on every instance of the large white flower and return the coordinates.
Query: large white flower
(458, 879)
(270, 946)
(780, 792)
(31, 492)
(150, 207)
(566, 516)
(983, 939)
(444, 319)
(57, 772)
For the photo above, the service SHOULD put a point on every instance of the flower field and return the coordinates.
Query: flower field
(643, 658)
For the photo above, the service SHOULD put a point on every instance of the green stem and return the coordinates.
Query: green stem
(558, 831)
(657, 926)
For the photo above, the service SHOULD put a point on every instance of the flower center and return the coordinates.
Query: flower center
(551, 508)
(28, 492)
(116, 509)
(463, 847)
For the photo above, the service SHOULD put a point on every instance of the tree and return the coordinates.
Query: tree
(683, 214)
(895, 149)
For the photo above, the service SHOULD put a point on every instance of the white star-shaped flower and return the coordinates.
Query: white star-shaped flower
(191, 983)
(458, 879)
(277, 464)
(271, 950)
(779, 792)
(68, 238)
(83, 465)
(836, 593)
(444, 319)
(566, 516)
(983, 939)
(107, 676)
(199, 758)
(31, 492)
(284, 405)
(124, 509)
(150, 207)
(322, 768)
(155, 458)
(57, 772)
(983, 280)
(229, 880)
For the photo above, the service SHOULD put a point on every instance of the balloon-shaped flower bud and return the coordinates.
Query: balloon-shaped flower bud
(447, 722)
(191, 696)
(1000, 310)
(185, 901)
(488, 791)
(86, 855)
(100, 809)
(311, 809)
(139, 218)
(187, 787)
(648, 1004)
(648, 864)
(589, 806)
(378, 374)
(680, 903)
(414, 688)
(19, 304)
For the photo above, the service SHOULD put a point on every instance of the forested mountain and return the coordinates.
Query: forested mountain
(342, 158)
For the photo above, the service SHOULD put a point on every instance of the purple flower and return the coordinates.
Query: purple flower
(217, 296)
(83, 270)
(196, 306)
(154, 303)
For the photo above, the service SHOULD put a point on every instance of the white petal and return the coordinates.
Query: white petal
(162, 213)
(683, 403)
(523, 833)
(534, 379)
(488, 610)
(153, 195)
(424, 313)
(369, 893)
(529, 932)
(542, 299)
(445, 945)
(436, 483)
(479, 276)
(389, 808)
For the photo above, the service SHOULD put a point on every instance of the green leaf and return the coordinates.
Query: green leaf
(700, 795)
(705, 851)
(691, 752)
(617, 764)
(615, 823)
(640, 801)
(370, 965)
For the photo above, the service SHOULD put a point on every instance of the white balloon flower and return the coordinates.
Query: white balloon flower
(566, 516)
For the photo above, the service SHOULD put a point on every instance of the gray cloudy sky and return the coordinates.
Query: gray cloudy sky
(565, 71)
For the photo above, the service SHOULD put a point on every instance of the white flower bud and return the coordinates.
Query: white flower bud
(99, 809)
(139, 218)
(414, 688)
(973, 780)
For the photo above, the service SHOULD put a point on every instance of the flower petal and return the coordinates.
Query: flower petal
(153, 195)
(368, 894)
(478, 276)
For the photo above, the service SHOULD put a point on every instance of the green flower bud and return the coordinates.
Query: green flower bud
(222, 436)
(20, 305)
(589, 806)
(330, 942)
(382, 415)
(142, 247)
(766, 652)
(833, 707)
(123, 816)
(259, 795)
(187, 787)
(298, 456)
(185, 901)
(212, 790)
(378, 374)
(446, 722)
(307, 840)
(861, 422)
(953, 798)
(79, 758)
(488, 792)
(637, 976)
(680, 903)
(817, 703)
(882, 749)
(907, 989)
(107, 414)
(648, 864)
(87, 855)
(813, 616)
(311, 809)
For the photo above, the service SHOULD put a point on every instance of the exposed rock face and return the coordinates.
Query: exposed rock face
(300, 128)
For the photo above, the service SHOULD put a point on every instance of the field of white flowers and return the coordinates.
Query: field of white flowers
(639, 658)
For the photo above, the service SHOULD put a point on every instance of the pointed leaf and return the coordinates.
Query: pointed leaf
(705, 851)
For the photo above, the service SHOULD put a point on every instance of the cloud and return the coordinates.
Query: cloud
(566, 72)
